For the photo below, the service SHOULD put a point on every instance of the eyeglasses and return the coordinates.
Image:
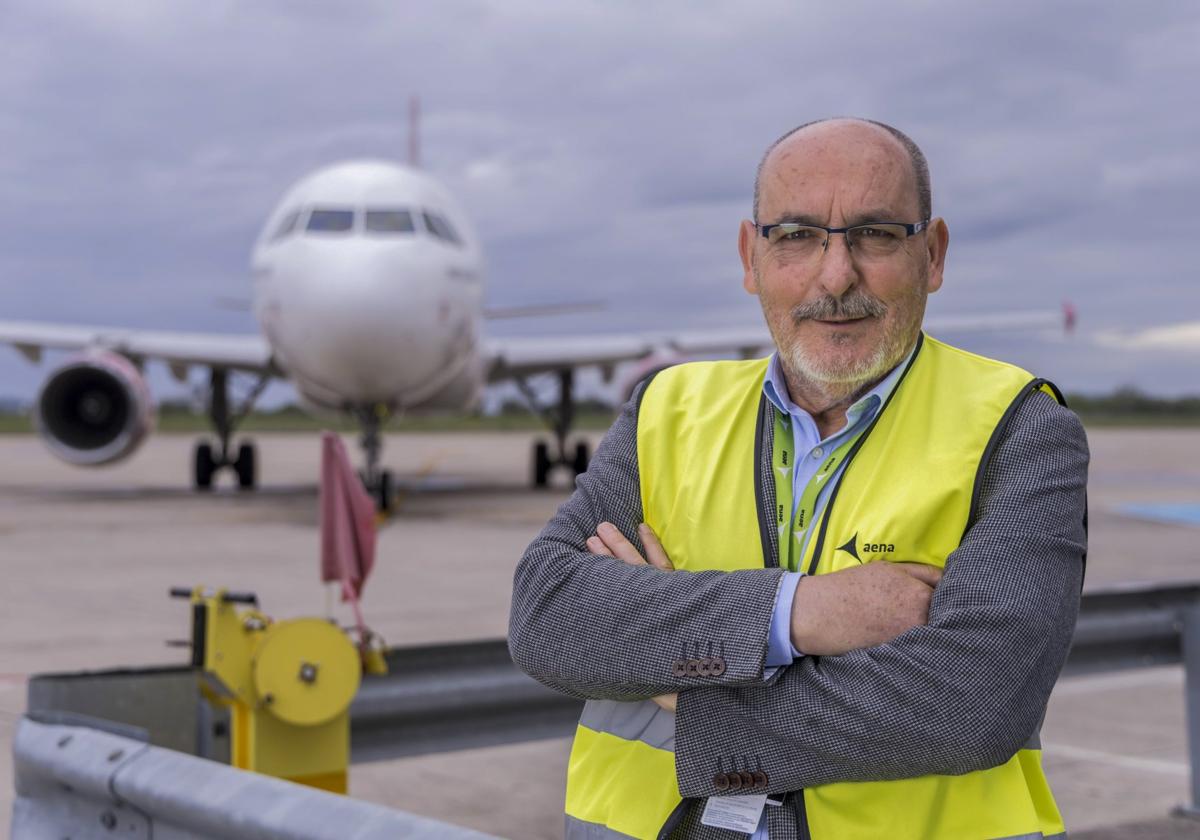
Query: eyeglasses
(872, 240)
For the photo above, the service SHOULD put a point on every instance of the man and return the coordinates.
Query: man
(864, 553)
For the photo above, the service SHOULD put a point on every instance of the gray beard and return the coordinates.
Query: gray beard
(837, 382)
(851, 372)
(827, 384)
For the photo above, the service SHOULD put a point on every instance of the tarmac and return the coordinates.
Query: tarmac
(87, 557)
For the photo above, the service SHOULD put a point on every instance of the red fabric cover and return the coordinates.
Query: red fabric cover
(347, 521)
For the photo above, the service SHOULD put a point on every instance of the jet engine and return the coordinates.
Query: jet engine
(94, 409)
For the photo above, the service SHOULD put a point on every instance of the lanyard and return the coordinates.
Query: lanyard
(792, 530)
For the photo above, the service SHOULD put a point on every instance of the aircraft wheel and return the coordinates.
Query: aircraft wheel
(246, 466)
(384, 493)
(541, 463)
(203, 466)
(582, 455)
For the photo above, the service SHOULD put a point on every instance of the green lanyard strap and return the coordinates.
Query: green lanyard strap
(794, 529)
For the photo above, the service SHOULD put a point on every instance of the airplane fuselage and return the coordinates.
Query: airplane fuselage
(368, 285)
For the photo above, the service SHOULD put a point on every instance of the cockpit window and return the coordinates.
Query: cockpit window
(439, 227)
(286, 226)
(389, 221)
(324, 220)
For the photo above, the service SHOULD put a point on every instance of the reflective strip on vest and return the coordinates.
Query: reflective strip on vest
(616, 745)
(644, 721)
(580, 830)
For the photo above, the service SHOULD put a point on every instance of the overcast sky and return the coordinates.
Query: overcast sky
(603, 149)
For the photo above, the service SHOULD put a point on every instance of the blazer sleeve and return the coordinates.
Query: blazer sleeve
(964, 692)
(596, 627)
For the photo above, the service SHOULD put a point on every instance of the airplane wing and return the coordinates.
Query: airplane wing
(1033, 319)
(249, 353)
(510, 358)
(1183, 336)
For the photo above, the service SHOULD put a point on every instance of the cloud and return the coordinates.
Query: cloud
(598, 145)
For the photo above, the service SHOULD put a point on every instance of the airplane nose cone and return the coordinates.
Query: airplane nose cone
(370, 324)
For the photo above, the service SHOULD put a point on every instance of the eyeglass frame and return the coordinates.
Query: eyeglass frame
(910, 229)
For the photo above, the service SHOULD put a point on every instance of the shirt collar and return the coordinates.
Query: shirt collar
(775, 390)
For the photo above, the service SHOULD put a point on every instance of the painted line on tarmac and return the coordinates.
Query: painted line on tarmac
(1175, 513)
(1129, 762)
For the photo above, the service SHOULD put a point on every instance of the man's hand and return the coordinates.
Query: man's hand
(666, 702)
(609, 541)
(860, 607)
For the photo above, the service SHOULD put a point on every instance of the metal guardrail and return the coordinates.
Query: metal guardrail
(1141, 625)
(442, 697)
(452, 696)
(447, 696)
(76, 781)
(1131, 626)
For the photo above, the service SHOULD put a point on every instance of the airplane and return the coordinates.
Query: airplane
(368, 285)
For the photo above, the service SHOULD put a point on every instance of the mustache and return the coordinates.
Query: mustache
(855, 304)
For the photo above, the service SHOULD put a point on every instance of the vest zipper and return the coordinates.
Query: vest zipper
(801, 815)
(766, 526)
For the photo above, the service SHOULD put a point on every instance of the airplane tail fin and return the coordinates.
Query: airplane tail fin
(414, 131)
(1070, 316)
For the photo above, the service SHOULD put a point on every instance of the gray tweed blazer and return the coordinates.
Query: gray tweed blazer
(999, 628)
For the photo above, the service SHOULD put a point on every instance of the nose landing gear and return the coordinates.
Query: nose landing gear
(377, 481)
(559, 418)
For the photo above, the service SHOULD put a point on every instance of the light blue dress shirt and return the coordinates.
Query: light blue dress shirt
(810, 451)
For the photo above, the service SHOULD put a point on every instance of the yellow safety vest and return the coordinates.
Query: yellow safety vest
(699, 443)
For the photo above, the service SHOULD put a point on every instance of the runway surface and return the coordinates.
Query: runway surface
(87, 557)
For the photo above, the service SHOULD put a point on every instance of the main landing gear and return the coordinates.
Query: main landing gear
(560, 419)
(207, 459)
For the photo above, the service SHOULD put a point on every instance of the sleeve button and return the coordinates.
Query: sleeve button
(748, 780)
(717, 666)
(721, 781)
(760, 779)
(680, 668)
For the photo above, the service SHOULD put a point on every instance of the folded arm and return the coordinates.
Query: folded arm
(596, 627)
(960, 694)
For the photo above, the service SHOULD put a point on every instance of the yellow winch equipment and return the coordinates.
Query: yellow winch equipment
(288, 686)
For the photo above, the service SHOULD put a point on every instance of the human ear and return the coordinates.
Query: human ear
(746, 234)
(938, 240)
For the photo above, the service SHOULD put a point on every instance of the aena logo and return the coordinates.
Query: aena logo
(851, 548)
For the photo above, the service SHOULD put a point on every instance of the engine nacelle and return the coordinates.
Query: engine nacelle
(94, 409)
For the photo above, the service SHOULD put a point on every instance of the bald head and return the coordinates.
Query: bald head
(916, 159)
